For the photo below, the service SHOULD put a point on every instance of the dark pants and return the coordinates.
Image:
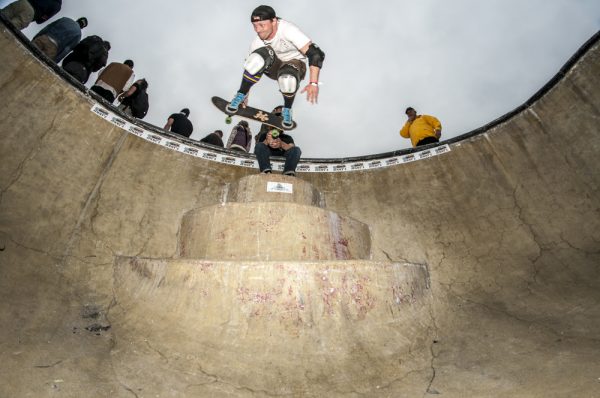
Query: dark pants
(428, 140)
(263, 153)
(104, 93)
(78, 71)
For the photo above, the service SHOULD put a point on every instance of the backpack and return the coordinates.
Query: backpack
(97, 55)
(139, 104)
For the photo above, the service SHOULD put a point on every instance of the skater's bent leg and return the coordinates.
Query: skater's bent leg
(292, 157)
(288, 78)
(257, 62)
(263, 155)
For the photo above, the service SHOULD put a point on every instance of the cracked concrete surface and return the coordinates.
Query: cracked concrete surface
(507, 223)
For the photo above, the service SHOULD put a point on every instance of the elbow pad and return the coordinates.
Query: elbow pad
(315, 56)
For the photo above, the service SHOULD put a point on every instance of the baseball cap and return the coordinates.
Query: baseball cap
(262, 13)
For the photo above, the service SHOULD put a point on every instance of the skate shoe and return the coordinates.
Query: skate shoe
(286, 114)
(234, 105)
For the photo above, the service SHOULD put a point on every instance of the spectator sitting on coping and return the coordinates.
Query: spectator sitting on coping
(421, 129)
(23, 12)
(265, 128)
(57, 39)
(134, 101)
(240, 138)
(179, 123)
(89, 55)
(215, 138)
(276, 143)
(114, 79)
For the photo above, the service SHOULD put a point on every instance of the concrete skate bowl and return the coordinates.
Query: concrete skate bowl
(474, 273)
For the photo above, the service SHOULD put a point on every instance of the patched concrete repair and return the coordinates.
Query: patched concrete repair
(131, 270)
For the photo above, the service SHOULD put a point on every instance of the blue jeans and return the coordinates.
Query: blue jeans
(263, 153)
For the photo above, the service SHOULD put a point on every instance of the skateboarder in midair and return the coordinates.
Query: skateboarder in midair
(280, 51)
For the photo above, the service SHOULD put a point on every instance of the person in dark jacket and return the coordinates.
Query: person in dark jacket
(215, 138)
(240, 138)
(90, 55)
(22, 12)
(179, 123)
(134, 101)
(57, 39)
(273, 143)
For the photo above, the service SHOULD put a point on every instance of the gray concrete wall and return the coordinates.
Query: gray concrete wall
(507, 223)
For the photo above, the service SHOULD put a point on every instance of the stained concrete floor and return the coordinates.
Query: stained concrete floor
(482, 278)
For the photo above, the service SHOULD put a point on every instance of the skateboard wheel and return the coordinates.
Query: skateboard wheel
(228, 120)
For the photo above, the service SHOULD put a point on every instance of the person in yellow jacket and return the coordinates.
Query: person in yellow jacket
(421, 129)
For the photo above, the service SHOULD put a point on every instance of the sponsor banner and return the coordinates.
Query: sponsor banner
(409, 158)
(250, 163)
(227, 160)
(209, 156)
(282, 187)
(155, 138)
(98, 110)
(375, 164)
(136, 130)
(173, 145)
(320, 168)
(303, 168)
(441, 149)
(191, 151)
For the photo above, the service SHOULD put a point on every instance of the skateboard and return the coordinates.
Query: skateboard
(251, 113)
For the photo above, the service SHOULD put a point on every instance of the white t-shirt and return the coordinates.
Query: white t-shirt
(287, 42)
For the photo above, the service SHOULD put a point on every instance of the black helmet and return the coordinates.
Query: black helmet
(262, 13)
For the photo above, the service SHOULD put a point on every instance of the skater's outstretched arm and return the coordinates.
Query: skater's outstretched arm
(315, 61)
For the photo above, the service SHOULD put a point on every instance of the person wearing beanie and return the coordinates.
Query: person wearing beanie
(240, 138)
(280, 50)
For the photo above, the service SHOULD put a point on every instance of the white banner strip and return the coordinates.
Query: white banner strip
(250, 163)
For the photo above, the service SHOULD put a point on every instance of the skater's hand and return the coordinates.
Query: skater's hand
(312, 93)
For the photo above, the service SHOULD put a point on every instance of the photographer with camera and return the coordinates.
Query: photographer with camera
(273, 142)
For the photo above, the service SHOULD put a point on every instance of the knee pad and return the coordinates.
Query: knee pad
(288, 84)
(259, 60)
(288, 78)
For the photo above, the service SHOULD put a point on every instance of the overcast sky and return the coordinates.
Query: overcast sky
(466, 62)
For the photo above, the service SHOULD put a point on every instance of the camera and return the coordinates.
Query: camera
(274, 133)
